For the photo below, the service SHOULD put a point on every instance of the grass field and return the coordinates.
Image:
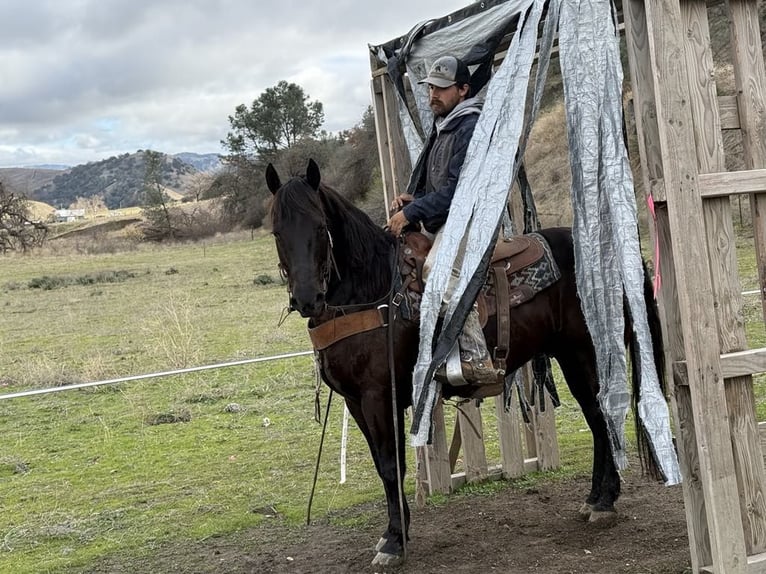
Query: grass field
(87, 473)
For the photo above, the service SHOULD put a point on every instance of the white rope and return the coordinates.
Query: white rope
(343, 443)
(151, 375)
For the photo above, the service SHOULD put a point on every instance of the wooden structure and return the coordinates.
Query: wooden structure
(680, 115)
(679, 118)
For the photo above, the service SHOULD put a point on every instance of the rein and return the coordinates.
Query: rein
(388, 301)
(392, 307)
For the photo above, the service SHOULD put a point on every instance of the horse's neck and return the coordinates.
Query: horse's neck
(357, 284)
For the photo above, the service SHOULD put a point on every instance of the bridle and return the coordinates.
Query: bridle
(328, 267)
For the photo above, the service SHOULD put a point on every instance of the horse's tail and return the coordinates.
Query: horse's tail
(645, 453)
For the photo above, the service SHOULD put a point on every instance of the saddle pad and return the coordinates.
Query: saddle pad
(529, 270)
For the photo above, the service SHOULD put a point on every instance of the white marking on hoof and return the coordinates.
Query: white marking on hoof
(585, 511)
(384, 559)
(603, 518)
(381, 543)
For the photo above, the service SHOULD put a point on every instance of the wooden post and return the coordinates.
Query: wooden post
(664, 29)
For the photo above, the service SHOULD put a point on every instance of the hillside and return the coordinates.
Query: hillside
(119, 180)
(25, 181)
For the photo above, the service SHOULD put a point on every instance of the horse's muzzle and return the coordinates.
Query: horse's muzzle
(309, 307)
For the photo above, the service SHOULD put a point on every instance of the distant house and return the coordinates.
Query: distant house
(68, 215)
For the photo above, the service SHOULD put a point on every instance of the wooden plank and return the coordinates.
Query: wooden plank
(733, 365)
(472, 435)
(741, 363)
(724, 183)
(750, 80)
(545, 435)
(401, 166)
(721, 248)
(756, 564)
(509, 436)
(437, 456)
(729, 112)
(643, 82)
(695, 294)
(762, 434)
(637, 41)
(381, 132)
(530, 429)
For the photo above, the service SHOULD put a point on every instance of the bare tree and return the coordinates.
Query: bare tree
(18, 232)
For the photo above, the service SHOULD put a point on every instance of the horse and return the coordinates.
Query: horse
(337, 261)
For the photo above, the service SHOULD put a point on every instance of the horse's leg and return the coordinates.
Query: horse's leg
(581, 374)
(375, 419)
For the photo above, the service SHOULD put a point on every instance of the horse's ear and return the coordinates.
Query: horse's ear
(272, 179)
(312, 174)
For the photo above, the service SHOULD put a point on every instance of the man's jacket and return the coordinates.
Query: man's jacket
(440, 165)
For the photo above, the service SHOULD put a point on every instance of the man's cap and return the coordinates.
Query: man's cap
(447, 71)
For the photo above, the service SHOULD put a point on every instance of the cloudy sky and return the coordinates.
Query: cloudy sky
(83, 80)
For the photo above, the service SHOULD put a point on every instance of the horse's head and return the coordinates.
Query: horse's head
(303, 240)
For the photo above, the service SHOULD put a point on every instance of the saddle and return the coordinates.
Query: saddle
(520, 267)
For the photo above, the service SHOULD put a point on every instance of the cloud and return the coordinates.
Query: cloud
(85, 79)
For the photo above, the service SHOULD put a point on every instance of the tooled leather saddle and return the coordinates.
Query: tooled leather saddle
(520, 268)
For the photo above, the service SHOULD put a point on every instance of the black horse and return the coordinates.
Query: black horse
(337, 261)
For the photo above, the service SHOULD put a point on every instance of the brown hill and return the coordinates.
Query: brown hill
(24, 180)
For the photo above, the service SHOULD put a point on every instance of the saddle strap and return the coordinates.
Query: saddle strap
(330, 332)
(503, 315)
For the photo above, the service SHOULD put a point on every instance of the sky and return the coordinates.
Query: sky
(84, 80)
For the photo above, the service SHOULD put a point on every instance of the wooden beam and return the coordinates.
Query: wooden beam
(736, 364)
(732, 182)
(509, 436)
(472, 435)
(756, 564)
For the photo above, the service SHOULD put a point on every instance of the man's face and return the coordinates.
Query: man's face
(444, 100)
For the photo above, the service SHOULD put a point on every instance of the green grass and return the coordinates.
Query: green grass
(87, 474)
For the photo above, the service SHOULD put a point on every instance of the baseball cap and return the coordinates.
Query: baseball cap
(446, 71)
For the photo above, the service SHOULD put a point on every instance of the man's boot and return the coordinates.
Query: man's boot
(476, 362)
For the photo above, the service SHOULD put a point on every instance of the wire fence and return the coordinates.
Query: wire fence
(61, 388)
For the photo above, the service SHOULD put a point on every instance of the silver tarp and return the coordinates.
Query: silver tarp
(607, 251)
(480, 198)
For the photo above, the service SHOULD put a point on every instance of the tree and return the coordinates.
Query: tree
(279, 118)
(18, 232)
(160, 223)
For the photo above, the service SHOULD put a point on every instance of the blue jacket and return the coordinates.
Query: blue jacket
(444, 155)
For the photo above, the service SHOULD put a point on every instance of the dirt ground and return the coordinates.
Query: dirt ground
(512, 531)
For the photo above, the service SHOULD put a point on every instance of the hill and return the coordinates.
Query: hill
(24, 180)
(201, 161)
(119, 180)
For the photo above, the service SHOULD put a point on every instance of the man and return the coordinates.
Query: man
(455, 116)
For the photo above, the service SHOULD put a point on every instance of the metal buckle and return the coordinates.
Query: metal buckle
(397, 299)
(383, 317)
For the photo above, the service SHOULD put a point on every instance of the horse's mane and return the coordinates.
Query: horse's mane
(363, 240)
(355, 235)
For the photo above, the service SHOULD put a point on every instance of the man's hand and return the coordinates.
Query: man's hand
(396, 223)
(400, 201)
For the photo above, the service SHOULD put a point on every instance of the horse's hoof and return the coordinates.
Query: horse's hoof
(381, 543)
(603, 518)
(384, 559)
(585, 511)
